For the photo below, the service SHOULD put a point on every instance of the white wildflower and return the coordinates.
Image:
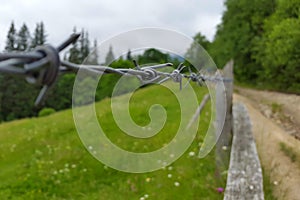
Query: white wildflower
(176, 184)
(191, 154)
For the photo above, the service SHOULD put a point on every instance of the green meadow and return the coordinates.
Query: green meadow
(43, 158)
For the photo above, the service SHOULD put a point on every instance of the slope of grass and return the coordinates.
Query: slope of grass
(268, 186)
(43, 158)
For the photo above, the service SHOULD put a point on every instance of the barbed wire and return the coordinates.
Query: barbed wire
(42, 66)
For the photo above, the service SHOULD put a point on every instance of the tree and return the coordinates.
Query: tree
(106, 84)
(35, 40)
(84, 45)
(93, 57)
(109, 56)
(23, 38)
(128, 55)
(74, 52)
(80, 49)
(40, 36)
(279, 48)
(17, 97)
(60, 97)
(197, 54)
(153, 56)
(11, 39)
(237, 36)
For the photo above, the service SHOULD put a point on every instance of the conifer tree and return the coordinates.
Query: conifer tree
(128, 55)
(11, 39)
(23, 38)
(94, 55)
(74, 52)
(39, 37)
(109, 56)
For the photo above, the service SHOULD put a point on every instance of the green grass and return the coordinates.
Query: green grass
(43, 158)
(268, 186)
(269, 85)
(289, 152)
(276, 108)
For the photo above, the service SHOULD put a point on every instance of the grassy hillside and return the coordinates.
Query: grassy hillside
(43, 158)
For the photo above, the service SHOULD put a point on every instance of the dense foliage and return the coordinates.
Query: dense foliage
(262, 36)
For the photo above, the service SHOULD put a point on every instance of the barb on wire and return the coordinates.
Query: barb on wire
(42, 66)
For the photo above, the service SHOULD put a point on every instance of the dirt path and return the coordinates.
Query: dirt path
(270, 134)
(284, 109)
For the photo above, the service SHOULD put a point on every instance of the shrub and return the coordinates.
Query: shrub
(46, 111)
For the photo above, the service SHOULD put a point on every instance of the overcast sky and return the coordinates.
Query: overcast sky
(105, 18)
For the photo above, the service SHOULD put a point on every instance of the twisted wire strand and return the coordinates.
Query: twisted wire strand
(45, 62)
